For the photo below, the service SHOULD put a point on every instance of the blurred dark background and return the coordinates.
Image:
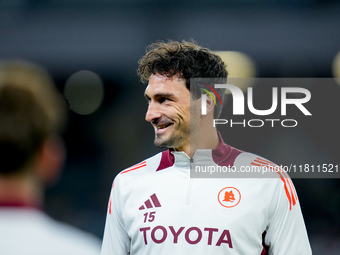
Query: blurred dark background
(92, 47)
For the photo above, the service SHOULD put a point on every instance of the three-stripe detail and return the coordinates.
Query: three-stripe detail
(140, 165)
(288, 185)
(148, 204)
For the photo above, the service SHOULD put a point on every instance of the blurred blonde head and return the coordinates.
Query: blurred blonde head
(31, 111)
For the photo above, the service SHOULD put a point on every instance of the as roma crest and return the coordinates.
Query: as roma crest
(229, 197)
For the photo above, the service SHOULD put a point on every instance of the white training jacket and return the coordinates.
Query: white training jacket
(155, 208)
(29, 231)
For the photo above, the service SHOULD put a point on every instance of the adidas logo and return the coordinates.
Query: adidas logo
(148, 203)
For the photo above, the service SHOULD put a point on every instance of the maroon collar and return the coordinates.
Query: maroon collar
(167, 160)
(222, 151)
(223, 155)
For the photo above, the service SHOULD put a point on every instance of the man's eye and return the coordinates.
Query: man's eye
(163, 99)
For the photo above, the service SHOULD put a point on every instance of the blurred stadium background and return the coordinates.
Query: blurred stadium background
(92, 47)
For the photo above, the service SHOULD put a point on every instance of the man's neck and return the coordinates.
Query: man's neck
(21, 191)
(200, 140)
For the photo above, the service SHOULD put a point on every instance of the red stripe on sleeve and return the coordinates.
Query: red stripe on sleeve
(134, 167)
(285, 180)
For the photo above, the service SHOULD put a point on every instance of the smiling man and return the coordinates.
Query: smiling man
(156, 208)
(169, 111)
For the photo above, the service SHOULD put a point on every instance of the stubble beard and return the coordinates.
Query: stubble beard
(173, 141)
(179, 133)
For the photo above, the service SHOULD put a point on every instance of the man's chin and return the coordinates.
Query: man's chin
(162, 142)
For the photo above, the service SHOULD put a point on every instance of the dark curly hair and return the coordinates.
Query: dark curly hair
(186, 59)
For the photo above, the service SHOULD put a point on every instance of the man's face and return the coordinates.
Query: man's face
(169, 111)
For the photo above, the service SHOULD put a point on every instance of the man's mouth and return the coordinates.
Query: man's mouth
(164, 126)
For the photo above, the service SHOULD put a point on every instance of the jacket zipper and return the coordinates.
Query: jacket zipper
(187, 200)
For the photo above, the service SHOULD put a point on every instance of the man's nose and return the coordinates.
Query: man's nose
(153, 112)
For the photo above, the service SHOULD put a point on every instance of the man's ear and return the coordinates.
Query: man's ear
(50, 160)
(210, 104)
